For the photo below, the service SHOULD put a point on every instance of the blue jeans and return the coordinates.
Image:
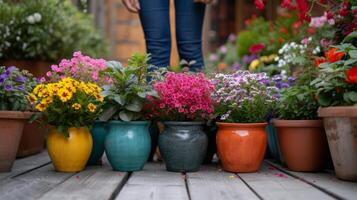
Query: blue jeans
(155, 19)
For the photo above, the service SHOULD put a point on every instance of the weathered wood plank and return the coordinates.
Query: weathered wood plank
(154, 183)
(213, 183)
(92, 184)
(33, 184)
(25, 164)
(271, 183)
(326, 181)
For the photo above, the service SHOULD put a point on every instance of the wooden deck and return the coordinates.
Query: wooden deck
(34, 178)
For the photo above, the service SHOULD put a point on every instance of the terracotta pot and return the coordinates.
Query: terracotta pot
(32, 140)
(303, 144)
(341, 130)
(11, 127)
(37, 67)
(241, 147)
(69, 154)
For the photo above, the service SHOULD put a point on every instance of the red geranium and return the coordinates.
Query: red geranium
(259, 4)
(333, 56)
(351, 75)
(319, 60)
(256, 48)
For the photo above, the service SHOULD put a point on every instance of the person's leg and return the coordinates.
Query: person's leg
(155, 20)
(189, 23)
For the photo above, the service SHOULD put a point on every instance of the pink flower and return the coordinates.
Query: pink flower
(49, 74)
(43, 79)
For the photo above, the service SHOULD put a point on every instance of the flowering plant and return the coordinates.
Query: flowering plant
(244, 97)
(67, 103)
(14, 87)
(182, 97)
(336, 83)
(80, 67)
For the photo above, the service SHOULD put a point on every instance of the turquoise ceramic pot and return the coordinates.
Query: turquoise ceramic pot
(273, 144)
(128, 145)
(98, 132)
(183, 146)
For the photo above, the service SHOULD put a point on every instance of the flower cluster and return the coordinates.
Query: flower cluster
(80, 67)
(14, 86)
(68, 102)
(182, 97)
(244, 96)
(318, 22)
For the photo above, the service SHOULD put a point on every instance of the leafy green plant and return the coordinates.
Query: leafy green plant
(127, 95)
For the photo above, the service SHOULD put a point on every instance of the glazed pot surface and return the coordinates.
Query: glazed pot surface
(69, 154)
(303, 144)
(241, 147)
(98, 132)
(128, 145)
(183, 146)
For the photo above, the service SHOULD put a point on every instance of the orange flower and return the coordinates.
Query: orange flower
(222, 66)
(319, 60)
(351, 75)
(333, 56)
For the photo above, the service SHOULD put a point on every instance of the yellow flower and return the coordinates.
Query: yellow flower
(47, 100)
(41, 107)
(272, 57)
(264, 59)
(254, 64)
(99, 97)
(38, 88)
(32, 98)
(91, 107)
(64, 95)
(76, 106)
(43, 92)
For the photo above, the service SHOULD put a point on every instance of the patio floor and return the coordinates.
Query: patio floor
(34, 178)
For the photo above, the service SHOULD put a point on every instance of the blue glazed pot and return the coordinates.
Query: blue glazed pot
(273, 144)
(98, 132)
(183, 146)
(128, 145)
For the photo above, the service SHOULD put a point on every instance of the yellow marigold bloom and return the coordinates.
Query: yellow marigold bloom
(264, 59)
(41, 107)
(64, 95)
(32, 98)
(254, 65)
(76, 106)
(43, 92)
(38, 88)
(272, 57)
(47, 100)
(91, 107)
(99, 97)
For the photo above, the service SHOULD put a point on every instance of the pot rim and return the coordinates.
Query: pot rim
(337, 111)
(184, 123)
(297, 123)
(6, 114)
(260, 124)
(128, 123)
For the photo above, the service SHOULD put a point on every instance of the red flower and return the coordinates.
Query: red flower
(280, 40)
(283, 30)
(287, 4)
(259, 4)
(333, 56)
(311, 30)
(319, 60)
(351, 75)
(303, 9)
(256, 48)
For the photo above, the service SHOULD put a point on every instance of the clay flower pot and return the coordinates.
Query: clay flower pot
(341, 130)
(11, 127)
(69, 154)
(32, 140)
(241, 146)
(303, 144)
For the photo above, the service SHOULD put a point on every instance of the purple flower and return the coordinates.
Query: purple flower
(236, 66)
(232, 37)
(21, 88)
(10, 69)
(21, 79)
(291, 80)
(223, 49)
(213, 58)
(8, 88)
(277, 78)
(4, 76)
(247, 59)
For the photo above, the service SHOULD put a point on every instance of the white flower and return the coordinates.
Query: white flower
(31, 19)
(37, 16)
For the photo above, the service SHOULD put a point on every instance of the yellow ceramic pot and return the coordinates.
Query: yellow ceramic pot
(69, 154)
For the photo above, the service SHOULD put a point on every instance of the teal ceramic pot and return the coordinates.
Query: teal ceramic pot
(273, 144)
(183, 146)
(128, 145)
(98, 132)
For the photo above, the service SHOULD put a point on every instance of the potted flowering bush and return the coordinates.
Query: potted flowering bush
(14, 86)
(243, 102)
(86, 69)
(128, 142)
(70, 108)
(336, 86)
(183, 104)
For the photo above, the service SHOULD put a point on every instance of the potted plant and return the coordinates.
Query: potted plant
(86, 69)
(127, 143)
(243, 102)
(14, 86)
(70, 108)
(336, 87)
(183, 104)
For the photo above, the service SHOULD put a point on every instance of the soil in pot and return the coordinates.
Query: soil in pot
(32, 140)
(183, 146)
(11, 128)
(241, 147)
(303, 144)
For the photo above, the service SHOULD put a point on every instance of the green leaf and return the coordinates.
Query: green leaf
(126, 116)
(350, 37)
(114, 65)
(119, 99)
(106, 93)
(108, 113)
(353, 53)
(134, 106)
(350, 96)
(324, 99)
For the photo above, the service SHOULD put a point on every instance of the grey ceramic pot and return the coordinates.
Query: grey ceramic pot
(183, 146)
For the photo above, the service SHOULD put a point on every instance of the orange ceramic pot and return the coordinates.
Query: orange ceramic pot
(241, 146)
